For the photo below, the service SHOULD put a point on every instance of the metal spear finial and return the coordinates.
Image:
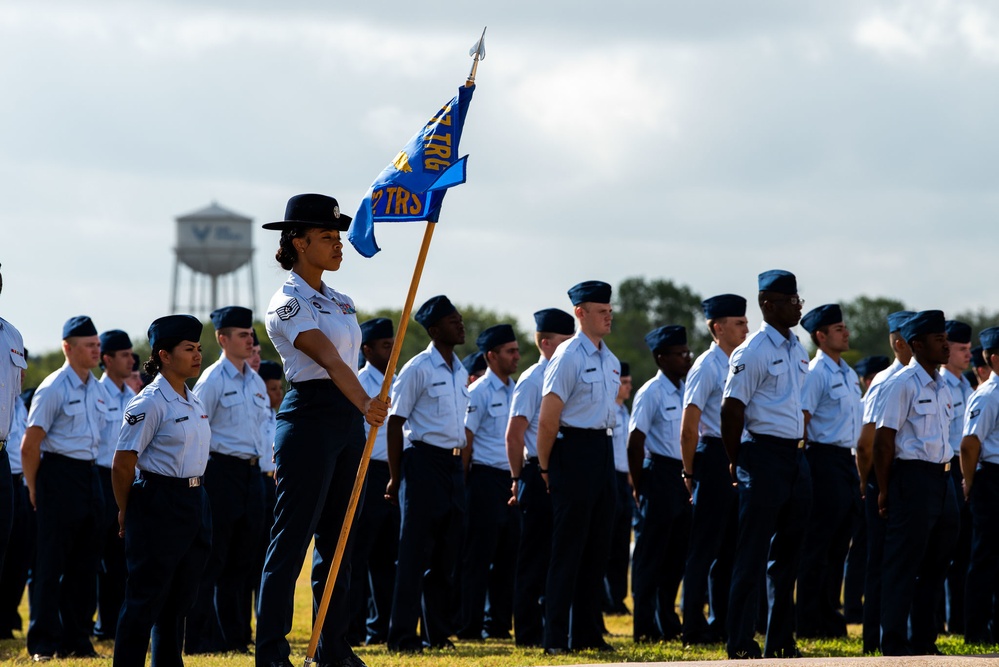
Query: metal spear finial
(477, 52)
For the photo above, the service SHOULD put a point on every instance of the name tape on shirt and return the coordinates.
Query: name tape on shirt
(134, 419)
(738, 369)
(974, 413)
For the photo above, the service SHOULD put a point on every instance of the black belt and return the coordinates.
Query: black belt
(52, 456)
(988, 465)
(712, 440)
(17, 477)
(587, 433)
(311, 383)
(830, 449)
(928, 466)
(659, 459)
(178, 482)
(228, 458)
(434, 449)
(532, 460)
(791, 443)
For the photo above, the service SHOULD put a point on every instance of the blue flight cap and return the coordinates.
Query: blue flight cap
(270, 370)
(625, 369)
(924, 322)
(81, 325)
(724, 305)
(776, 280)
(494, 336)
(474, 363)
(977, 355)
(433, 310)
(897, 319)
(174, 327)
(553, 320)
(136, 363)
(821, 317)
(592, 291)
(990, 341)
(376, 329)
(312, 211)
(232, 316)
(671, 334)
(872, 365)
(115, 341)
(256, 341)
(958, 332)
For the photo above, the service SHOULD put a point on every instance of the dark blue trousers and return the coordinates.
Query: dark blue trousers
(252, 587)
(533, 556)
(112, 573)
(317, 450)
(708, 571)
(662, 531)
(20, 556)
(775, 498)
(168, 536)
(6, 502)
(954, 585)
(856, 571)
(70, 514)
(583, 486)
(922, 527)
(981, 620)
(376, 546)
(875, 560)
(616, 577)
(432, 508)
(836, 509)
(235, 495)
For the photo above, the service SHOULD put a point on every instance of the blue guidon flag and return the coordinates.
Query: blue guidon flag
(413, 186)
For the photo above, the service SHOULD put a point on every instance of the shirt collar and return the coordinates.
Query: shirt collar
(74, 379)
(828, 361)
(164, 388)
(588, 345)
(230, 368)
(305, 289)
(665, 382)
(777, 338)
(924, 377)
(494, 380)
(374, 372)
(438, 358)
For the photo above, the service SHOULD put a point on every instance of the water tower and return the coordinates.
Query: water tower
(214, 244)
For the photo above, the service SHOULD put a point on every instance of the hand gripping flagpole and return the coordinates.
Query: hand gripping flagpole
(477, 52)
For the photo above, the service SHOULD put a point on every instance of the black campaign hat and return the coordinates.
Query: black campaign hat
(312, 211)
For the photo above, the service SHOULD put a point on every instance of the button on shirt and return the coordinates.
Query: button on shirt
(960, 392)
(656, 412)
(982, 419)
(832, 398)
(527, 403)
(872, 404)
(587, 379)
(117, 401)
(433, 399)
(704, 388)
(487, 416)
(237, 405)
(918, 407)
(169, 432)
(371, 379)
(297, 308)
(11, 364)
(621, 439)
(71, 412)
(767, 374)
(267, 452)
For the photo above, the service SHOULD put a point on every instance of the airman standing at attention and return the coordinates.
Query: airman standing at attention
(12, 362)
(616, 576)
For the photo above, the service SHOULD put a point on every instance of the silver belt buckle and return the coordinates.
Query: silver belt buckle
(610, 431)
(193, 482)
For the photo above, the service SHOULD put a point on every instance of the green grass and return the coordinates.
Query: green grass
(491, 653)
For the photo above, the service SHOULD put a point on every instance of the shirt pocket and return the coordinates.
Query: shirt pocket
(229, 411)
(777, 374)
(18, 360)
(440, 394)
(499, 411)
(925, 418)
(593, 386)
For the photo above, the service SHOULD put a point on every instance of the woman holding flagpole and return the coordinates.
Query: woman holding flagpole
(320, 433)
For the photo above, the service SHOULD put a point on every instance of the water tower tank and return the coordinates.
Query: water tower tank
(214, 241)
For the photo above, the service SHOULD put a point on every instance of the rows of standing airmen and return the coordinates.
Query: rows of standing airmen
(751, 476)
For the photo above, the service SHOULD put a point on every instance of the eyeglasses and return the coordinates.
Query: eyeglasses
(793, 300)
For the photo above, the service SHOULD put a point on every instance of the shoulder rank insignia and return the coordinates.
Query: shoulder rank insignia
(288, 310)
(134, 419)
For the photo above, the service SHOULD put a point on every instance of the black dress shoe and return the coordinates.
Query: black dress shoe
(281, 663)
(41, 657)
(557, 651)
(346, 661)
(446, 645)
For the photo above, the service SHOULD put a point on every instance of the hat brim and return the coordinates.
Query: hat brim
(342, 224)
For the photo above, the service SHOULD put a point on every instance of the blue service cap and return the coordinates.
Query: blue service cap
(822, 316)
(671, 334)
(433, 310)
(312, 210)
(990, 341)
(270, 370)
(174, 327)
(474, 363)
(872, 365)
(114, 341)
(924, 322)
(256, 341)
(592, 291)
(81, 325)
(625, 369)
(232, 316)
(553, 320)
(777, 280)
(494, 336)
(977, 355)
(897, 319)
(376, 329)
(724, 305)
(958, 332)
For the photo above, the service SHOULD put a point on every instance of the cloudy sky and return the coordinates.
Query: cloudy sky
(851, 142)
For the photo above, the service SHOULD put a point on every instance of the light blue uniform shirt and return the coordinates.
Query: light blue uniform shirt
(487, 416)
(297, 308)
(433, 399)
(170, 433)
(982, 419)
(527, 403)
(371, 379)
(918, 407)
(960, 392)
(267, 454)
(17, 428)
(832, 398)
(587, 380)
(621, 439)
(238, 407)
(767, 374)
(656, 412)
(117, 401)
(704, 388)
(11, 364)
(872, 403)
(71, 413)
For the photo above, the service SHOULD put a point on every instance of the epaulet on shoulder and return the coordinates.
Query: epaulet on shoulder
(288, 289)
